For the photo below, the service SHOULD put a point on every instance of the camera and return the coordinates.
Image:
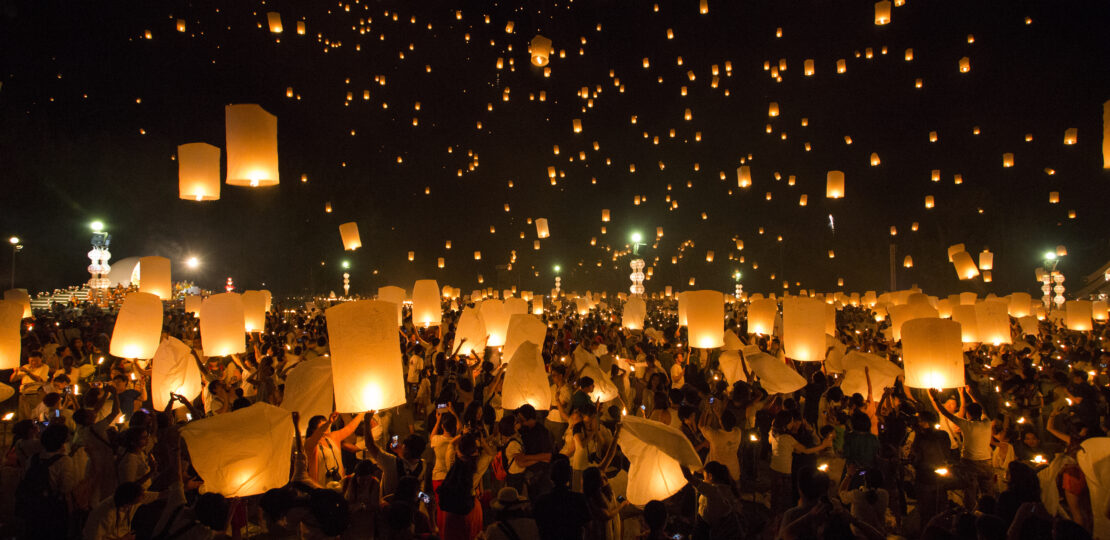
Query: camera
(425, 498)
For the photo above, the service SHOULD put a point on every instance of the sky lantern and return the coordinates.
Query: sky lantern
(773, 109)
(540, 49)
(576, 125)
(192, 303)
(1008, 159)
(743, 176)
(222, 320)
(198, 172)
(994, 322)
(656, 452)
(1106, 134)
(394, 295)
(1053, 197)
(874, 159)
(542, 230)
(908, 262)
(496, 321)
(882, 12)
(11, 320)
(526, 379)
(841, 66)
(252, 150)
(173, 369)
(300, 28)
(138, 327)
(965, 64)
(348, 233)
(426, 309)
(634, 312)
(243, 452)
(703, 6)
(605, 215)
(365, 356)
(513, 306)
(969, 324)
(154, 277)
(986, 260)
(1071, 136)
(472, 329)
(1020, 305)
(254, 311)
(807, 67)
(1099, 310)
(803, 329)
(705, 316)
(834, 185)
(20, 297)
(965, 265)
(761, 316)
(522, 330)
(932, 353)
(1078, 315)
(274, 19)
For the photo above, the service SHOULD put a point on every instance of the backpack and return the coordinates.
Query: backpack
(36, 500)
(501, 463)
(456, 493)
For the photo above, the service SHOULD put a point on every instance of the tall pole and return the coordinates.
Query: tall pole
(893, 272)
(13, 266)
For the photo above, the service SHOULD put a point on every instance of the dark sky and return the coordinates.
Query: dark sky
(92, 113)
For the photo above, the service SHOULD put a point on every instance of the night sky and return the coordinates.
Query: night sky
(93, 110)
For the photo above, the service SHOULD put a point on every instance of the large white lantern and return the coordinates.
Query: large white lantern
(774, 376)
(994, 322)
(222, 324)
(472, 329)
(20, 297)
(393, 295)
(522, 328)
(138, 327)
(154, 277)
(1020, 305)
(11, 318)
(366, 362)
(803, 329)
(514, 306)
(308, 389)
(252, 149)
(243, 452)
(969, 324)
(634, 312)
(173, 370)
(932, 353)
(1078, 315)
(348, 233)
(254, 311)
(426, 308)
(526, 379)
(496, 321)
(705, 317)
(198, 172)
(656, 453)
(761, 316)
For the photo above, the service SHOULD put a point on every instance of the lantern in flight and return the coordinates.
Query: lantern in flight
(365, 356)
(222, 320)
(138, 327)
(252, 152)
(834, 185)
(154, 277)
(198, 172)
(803, 329)
(932, 353)
(348, 233)
(540, 49)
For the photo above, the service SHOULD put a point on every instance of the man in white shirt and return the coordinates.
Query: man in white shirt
(977, 471)
(557, 415)
(30, 376)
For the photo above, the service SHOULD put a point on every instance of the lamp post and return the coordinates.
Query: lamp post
(16, 247)
(346, 279)
(98, 257)
(1049, 276)
(558, 280)
(637, 264)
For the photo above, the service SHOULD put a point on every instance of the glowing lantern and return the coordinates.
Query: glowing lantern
(932, 352)
(526, 379)
(834, 185)
(803, 329)
(541, 228)
(908, 262)
(523, 329)
(703, 6)
(965, 65)
(1020, 305)
(11, 320)
(348, 233)
(173, 369)
(20, 297)
(1078, 315)
(761, 315)
(426, 310)
(986, 260)
(656, 452)
(967, 299)
(965, 265)
(969, 324)
(222, 320)
(635, 309)
(440, 262)
(274, 19)
(773, 109)
(138, 327)
(1061, 251)
(1071, 136)
(841, 66)
(192, 304)
(496, 321)
(605, 216)
(540, 49)
(1007, 159)
(300, 28)
(705, 316)
(254, 311)
(252, 150)
(994, 321)
(198, 172)
(744, 176)
(393, 295)
(154, 277)
(882, 12)
(243, 452)
(576, 124)
(1099, 310)
(954, 249)
(365, 356)
(709, 256)
(470, 333)
(874, 159)
(1106, 134)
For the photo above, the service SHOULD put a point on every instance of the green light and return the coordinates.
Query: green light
(637, 238)
(558, 268)
(97, 226)
(1050, 256)
(346, 264)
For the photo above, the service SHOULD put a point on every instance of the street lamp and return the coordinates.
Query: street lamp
(558, 280)
(98, 256)
(192, 263)
(637, 265)
(16, 247)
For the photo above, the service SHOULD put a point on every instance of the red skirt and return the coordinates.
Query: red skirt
(460, 527)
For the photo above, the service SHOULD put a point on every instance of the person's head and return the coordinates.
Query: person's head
(861, 422)
(527, 415)
(655, 516)
(728, 420)
(507, 426)
(34, 359)
(558, 373)
(135, 439)
(412, 447)
(314, 423)
(467, 447)
(1030, 439)
(951, 404)
(54, 437)
(24, 430)
(927, 419)
(586, 384)
(120, 383)
(1023, 480)
(781, 422)
(449, 424)
(688, 414)
(275, 503)
(974, 411)
(127, 494)
(560, 470)
(716, 473)
(592, 481)
(51, 400)
(834, 395)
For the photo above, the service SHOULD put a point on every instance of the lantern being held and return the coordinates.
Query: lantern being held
(254, 311)
(198, 172)
(803, 329)
(426, 309)
(496, 321)
(994, 322)
(19, 296)
(11, 319)
(705, 318)
(656, 452)
(526, 379)
(365, 356)
(154, 277)
(761, 316)
(932, 353)
(252, 152)
(222, 320)
(395, 296)
(243, 452)
(138, 327)
(173, 370)
(634, 312)
(1078, 315)
(348, 233)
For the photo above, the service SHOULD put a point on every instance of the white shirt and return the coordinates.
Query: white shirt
(441, 445)
(560, 395)
(977, 439)
(723, 446)
(782, 452)
(27, 385)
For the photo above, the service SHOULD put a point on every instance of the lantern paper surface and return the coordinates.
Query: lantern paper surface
(471, 328)
(365, 356)
(994, 322)
(222, 323)
(138, 327)
(198, 172)
(252, 150)
(761, 316)
(526, 378)
(523, 328)
(965, 265)
(932, 353)
(803, 329)
(899, 315)
(308, 389)
(515, 306)
(705, 317)
(634, 312)
(1099, 310)
(20, 297)
(1020, 304)
(393, 295)
(11, 318)
(834, 185)
(969, 324)
(683, 305)
(496, 321)
(348, 233)
(541, 228)
(426, 310)
(657, 453)
(174, 369)
(1078, 315)
(730, 366)
(254, 311)
(881, 371)
(775, 376)
(192, 303)
(243, 452)
(273, 18)
(154, 277)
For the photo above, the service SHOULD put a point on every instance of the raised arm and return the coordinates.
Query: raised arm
(104, 423)
(941, 410)
(347, 430)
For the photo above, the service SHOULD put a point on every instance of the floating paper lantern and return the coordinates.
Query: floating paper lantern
(522, 329)
(1061, 251)
(994, 322)
(254, 311)
(1020, 305)
(965, 65)
(635, 309)
(576, 125)
(841, 66)
(705, 316)
(965, 265)
(181, 25)
(526, 379)
(709, 256)
(243, 452)
(1007, 159)
(540, 49)
(274, 19)
(138, 327)
(300, 28)
(744, 176)
(11, 320)
(932, 353)
(1078, 315)
(761, 316)
(929, 201)
(1071, 136)
(348, 233)
(834, 185)
(986, 260)
(969, 324)
(1106, 134)
(541, 228)
(803, 329)
(882, 12)
(252, 150)
(426, 309)
(192, 304)
(365, 356)
(222, 320)
(395, 296)
(173, 369)
(20, 297)
(874, 159)
(656, 452)
(154, 277)
(472, 329)
(908, 262)
(1099, 310)
(1053, 197)
(773, 109)
(496, 321)
(198, 172)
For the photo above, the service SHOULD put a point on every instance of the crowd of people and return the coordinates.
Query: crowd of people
(89, 456)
